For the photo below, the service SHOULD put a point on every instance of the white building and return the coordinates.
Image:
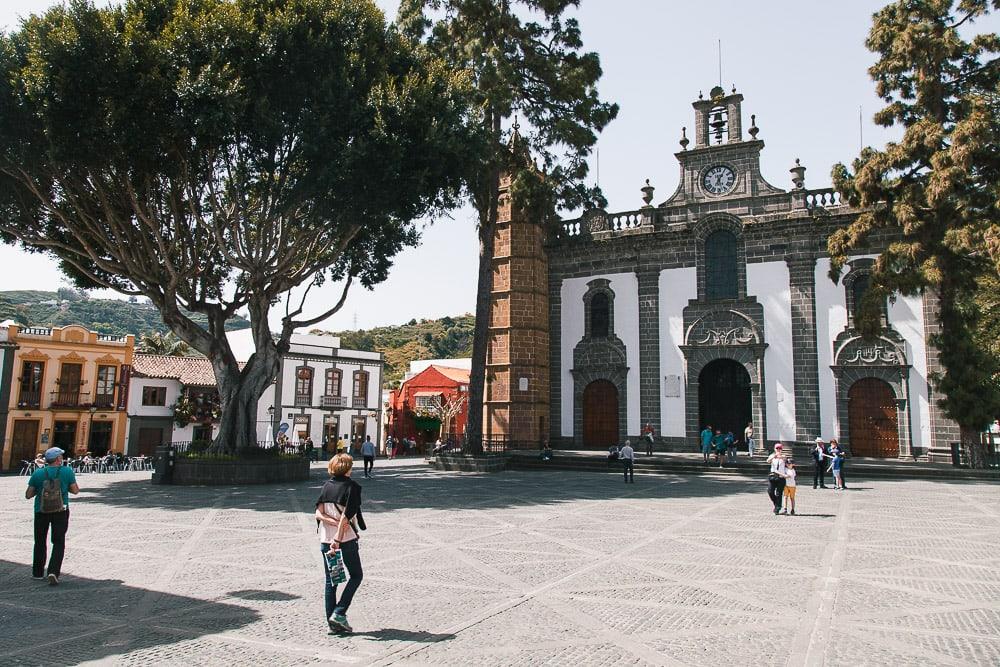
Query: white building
(324, 391)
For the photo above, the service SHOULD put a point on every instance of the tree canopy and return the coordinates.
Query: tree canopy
(213, 155)
(524, 57)
(936, 192)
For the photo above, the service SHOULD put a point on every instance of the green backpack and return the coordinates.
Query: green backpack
(52, 495)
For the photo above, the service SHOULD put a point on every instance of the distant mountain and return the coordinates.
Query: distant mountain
(445, 338)
(107, 316)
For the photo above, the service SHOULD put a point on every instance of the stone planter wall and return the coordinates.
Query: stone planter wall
(469, 463)
(225, 473)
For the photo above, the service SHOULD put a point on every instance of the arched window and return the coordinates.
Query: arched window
(600, 315)
(721, 271)
(360, 385)
(856, 291)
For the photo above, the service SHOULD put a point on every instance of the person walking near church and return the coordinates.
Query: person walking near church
(647, 435)
(776, 477)
(819, 465)
(627, 456)
(748, 439)
(50, 486)
(719, 445)
(706, 442)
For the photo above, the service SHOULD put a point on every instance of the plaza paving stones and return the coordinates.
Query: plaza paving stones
(515, 568)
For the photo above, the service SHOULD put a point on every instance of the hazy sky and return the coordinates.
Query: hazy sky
(802, 67)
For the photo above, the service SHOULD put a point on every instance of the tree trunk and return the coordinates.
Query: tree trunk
(480, 340)
(975, 445)
(239, 393)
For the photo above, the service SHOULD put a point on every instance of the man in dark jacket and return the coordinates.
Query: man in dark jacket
(819, 456)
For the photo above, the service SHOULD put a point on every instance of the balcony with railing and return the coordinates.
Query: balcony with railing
(303, 400)
(333, 401)
(358, 402)
(29, 400)
(104, 401)
(69, 397)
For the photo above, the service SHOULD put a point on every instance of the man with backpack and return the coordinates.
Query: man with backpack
(50, 486)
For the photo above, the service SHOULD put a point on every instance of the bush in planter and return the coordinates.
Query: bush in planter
(198, 446)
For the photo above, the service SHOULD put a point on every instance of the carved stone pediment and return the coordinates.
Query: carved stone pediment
(723, 328)
(851, 349)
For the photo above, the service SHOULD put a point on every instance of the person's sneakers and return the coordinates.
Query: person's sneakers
(53, 580)
(793, 512)
(784, 511)
(776, 510)
(38, 578)
(338, 623)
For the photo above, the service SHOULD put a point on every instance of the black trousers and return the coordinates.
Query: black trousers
(819, 474)
(59, 523)
(352, 562)
(649, 446)
(629, 468)
(775, 490)
(369, 464)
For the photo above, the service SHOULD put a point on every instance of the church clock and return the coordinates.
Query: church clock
(719, 180)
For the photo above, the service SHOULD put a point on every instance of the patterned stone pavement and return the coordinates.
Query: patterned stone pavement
(514, 569)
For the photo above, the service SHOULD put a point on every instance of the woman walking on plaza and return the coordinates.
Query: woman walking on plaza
(776, 477)
(338, 513)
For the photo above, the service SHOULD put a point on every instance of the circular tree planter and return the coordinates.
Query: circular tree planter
(208, 472)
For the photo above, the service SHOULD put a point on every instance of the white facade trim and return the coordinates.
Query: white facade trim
(676, 288)
(769, 283)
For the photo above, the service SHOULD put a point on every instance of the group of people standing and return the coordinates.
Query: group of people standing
(724, 445)
(781, 478)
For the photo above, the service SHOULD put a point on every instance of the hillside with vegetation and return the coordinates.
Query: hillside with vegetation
(108, 316)
(445, 338)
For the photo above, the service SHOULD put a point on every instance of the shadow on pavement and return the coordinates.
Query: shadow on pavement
(84, 619)
(264, 596)
(391, 634)
(416, 486)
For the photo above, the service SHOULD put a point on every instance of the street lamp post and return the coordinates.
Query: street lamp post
(270, 416)
(90, 428)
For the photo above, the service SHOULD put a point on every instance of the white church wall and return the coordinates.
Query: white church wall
(906, 316)
(769, 283)
(626, 318)
(831, 318)
(677, 287)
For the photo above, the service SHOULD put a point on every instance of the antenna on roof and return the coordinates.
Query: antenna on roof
(861, 130)
(598, 167)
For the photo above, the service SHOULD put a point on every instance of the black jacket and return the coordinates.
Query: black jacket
(345, 492)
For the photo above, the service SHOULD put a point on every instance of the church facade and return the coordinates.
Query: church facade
(714, 307)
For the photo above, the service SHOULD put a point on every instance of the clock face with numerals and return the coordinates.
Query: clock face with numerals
(719, 179)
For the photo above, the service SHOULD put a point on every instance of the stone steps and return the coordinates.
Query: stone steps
(756, 469)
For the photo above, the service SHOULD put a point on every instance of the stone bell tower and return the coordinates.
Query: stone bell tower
(517, 362)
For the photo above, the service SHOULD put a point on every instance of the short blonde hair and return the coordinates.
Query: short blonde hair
(340, 464)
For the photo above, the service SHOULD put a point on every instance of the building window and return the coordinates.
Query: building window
(858, 284)
(428, 402)
(31, 384)
(154, 396)
(202, 433)
(600, 315)
(333, 377)
(303, 386)
(721, 266)
(360, 385)
(104, 396)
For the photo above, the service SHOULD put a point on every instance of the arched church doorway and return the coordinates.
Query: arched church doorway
(871, 411)
(600, 414)
(724, 399)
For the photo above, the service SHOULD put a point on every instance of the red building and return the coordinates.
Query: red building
(431, 404)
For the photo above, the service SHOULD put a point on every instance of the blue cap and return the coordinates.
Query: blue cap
(52, 453)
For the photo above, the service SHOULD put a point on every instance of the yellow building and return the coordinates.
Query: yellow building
(69, 388)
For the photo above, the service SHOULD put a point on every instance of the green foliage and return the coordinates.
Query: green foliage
(524, 57)
(107, 316)
(936, 190)
(445, 338)
(166, 344)
(214, 155)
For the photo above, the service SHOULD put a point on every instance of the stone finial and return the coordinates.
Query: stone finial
(798, 175)
(753, 126)
(684, 139)
(647, 193)
(734, 89)
(700, 95)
